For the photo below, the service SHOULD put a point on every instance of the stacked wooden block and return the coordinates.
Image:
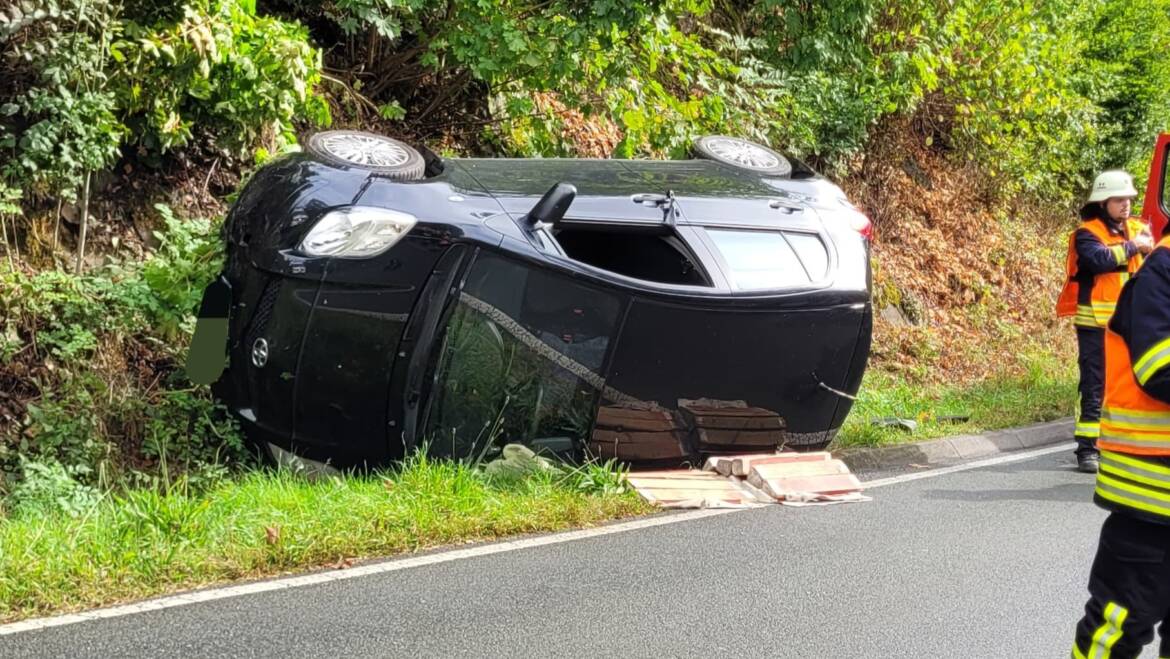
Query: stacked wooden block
(637, 433)
(648, 432)
(742, 480)
(732, 426)
(786, 475)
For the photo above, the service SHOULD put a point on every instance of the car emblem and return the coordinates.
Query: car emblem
(260, 353)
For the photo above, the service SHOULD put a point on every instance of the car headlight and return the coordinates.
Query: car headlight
(357, 232)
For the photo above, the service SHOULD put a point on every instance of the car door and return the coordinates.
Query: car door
(521, 360)
(1156, 207)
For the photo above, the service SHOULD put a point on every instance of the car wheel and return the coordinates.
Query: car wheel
(742, 154)
(377, 153)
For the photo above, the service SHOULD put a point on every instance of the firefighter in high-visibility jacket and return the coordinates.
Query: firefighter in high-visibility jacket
(1130, 579)
(1103, 252)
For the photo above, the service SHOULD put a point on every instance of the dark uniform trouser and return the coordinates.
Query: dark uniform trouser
(1130, 591)
(1091, 360)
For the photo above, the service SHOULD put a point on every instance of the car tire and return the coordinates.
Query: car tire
(377, 153)
(742, 154)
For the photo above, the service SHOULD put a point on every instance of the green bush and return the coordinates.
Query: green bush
(104, 351)
(94, 76)
(221, 69)
(1039, 95)
(49, 488)
(189, 256)
(61, 119)
(1128, 76)
(66, 426)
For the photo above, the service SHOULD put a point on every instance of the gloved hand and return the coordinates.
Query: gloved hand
(1144, 242)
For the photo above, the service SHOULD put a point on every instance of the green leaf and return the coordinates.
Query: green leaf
(633, 120)
(392, 111)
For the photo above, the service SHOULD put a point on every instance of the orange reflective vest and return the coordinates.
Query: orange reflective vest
(1094, 308)
(1132, 421)
(1135, 427)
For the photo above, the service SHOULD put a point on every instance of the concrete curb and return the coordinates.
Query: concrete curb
(949, 450)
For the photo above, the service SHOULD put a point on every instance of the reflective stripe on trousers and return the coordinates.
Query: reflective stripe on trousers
(1106, 635)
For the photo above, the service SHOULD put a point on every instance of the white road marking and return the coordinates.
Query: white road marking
(394, 565)
(943, 471)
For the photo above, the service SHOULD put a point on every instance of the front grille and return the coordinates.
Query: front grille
(263, 311)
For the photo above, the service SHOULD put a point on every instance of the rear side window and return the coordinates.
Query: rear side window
(812, 253)
(760, 260)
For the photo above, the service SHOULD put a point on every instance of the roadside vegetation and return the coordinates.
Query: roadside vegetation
(966, 129)
(104, 548)
(1041, 391)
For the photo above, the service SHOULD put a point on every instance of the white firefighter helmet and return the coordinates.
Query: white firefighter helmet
(1112, 183)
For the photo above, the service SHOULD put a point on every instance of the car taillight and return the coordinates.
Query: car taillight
(861, 224)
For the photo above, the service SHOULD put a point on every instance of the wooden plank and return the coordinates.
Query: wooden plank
(669, 486)
(742, 465)
(739, 423)
(764, 439)
(805, 468)
(717, 464)
(832, 484)
(668, 497)
(636, 451)
(678, 474)
(693, 490)
(728, 412)
(623, 437)
(619, 418)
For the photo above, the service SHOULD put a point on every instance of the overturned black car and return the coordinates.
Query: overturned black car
(377, 298)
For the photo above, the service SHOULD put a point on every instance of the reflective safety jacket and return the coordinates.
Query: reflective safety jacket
(1100, 260)
(1134, 473)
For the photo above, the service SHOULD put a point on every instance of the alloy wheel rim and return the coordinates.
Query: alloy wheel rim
(743, 153)
(366, 150)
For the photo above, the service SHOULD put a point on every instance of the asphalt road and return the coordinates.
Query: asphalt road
(990, 562)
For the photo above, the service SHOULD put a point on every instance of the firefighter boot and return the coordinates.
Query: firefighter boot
(1087, 457)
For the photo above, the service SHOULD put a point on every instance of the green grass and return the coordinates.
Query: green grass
(146, 542)
(1043, 391)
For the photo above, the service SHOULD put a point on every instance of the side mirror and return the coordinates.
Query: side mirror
(552, 206)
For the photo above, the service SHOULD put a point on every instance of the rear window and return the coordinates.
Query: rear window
(759, 260)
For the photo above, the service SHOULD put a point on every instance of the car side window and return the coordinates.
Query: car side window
(760, 260)
(812, 253)
(521, 362)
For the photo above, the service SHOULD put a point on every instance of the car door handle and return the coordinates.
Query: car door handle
(649, 199)
(786, 206)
